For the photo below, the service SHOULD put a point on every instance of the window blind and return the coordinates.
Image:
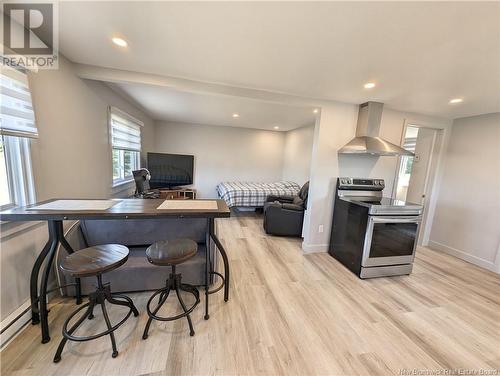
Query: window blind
(125, 131)
(410, 144)
(17, 117)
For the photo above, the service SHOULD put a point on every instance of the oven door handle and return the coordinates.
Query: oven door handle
(396, 219)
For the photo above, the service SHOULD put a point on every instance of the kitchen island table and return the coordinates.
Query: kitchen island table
(55, 211)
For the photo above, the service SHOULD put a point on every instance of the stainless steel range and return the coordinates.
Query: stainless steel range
(372, 235)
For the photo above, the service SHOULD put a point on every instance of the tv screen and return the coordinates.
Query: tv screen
(170, 170)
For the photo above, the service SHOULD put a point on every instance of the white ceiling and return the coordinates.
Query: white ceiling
(420, 54)
(172, 105)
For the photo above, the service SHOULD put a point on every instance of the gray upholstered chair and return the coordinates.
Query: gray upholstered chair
(284, 215)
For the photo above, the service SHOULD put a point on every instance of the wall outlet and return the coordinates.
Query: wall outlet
(320, 229)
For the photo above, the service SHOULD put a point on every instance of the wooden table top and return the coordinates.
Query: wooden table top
(123, 209)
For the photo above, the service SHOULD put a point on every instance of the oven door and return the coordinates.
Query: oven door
(390, 240)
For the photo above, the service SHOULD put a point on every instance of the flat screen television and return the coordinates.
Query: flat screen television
(170, 170)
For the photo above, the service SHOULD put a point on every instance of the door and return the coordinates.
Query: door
(415, 175)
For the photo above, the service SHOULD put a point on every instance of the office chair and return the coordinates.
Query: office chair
(142, 187)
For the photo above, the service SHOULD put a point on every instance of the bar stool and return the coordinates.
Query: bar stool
(94, 261)
(171, 253)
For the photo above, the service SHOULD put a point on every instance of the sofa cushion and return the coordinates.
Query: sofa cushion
(136, 232)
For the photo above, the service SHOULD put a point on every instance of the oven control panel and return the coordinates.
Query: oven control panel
(361, 183)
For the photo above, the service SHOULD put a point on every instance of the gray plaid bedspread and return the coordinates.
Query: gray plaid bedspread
(238, 193)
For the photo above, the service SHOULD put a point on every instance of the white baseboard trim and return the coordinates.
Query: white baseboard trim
(17, 327)
(464, 256)
(314, 248)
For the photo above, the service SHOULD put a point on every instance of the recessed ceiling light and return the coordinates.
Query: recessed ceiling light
(120, 42)
(315, 111)
(236, 115)
(369, 85)
(276, 127)
(456, 100)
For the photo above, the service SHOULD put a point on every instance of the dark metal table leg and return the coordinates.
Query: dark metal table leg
(225, 259)
(35, 311)
(70, 250)
(54, 235)
(207, 271)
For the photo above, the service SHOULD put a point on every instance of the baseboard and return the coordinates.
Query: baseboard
(485, 264)
(16, 326)
(314, 248)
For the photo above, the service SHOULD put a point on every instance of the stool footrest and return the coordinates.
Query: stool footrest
(99, 297)
(71, 337)
(173, 283)
(188, 288)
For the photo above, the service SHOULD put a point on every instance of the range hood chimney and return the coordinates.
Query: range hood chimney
(367, 140)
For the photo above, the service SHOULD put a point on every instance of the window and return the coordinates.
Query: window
(406, 163)
(17, 128)
(126, 145)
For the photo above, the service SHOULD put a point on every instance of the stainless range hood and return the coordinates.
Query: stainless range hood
(367, 140)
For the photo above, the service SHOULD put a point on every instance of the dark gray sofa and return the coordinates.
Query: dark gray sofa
(284, 215)
(137, 274)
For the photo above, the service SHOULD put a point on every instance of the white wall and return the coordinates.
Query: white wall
(72, 155)
(467, 219)
(223, 153)
(297, 154)
(335, 127)
(71, 158)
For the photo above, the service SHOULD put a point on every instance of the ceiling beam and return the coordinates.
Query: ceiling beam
(92, 72)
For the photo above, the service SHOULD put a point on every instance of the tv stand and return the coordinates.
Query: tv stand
(177, 193)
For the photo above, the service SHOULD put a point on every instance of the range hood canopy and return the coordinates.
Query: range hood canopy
(367, 140)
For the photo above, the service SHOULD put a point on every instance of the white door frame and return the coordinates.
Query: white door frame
(431, 181)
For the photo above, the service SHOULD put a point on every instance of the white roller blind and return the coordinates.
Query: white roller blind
(17, 117)
(410, 144)
(125, 131)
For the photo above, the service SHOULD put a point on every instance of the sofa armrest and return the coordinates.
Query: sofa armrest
(282, 199)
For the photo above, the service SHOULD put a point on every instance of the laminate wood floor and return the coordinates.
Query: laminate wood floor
(294, 314)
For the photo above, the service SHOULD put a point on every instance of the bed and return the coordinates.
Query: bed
(252, 194)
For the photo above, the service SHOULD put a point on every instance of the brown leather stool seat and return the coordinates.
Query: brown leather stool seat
(94, 261)
(171, 253)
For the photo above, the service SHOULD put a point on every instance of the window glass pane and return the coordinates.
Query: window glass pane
(116, 164)
(127, 163)
(124, 162)
(5, 198)
(406, 163)
(130, 162)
